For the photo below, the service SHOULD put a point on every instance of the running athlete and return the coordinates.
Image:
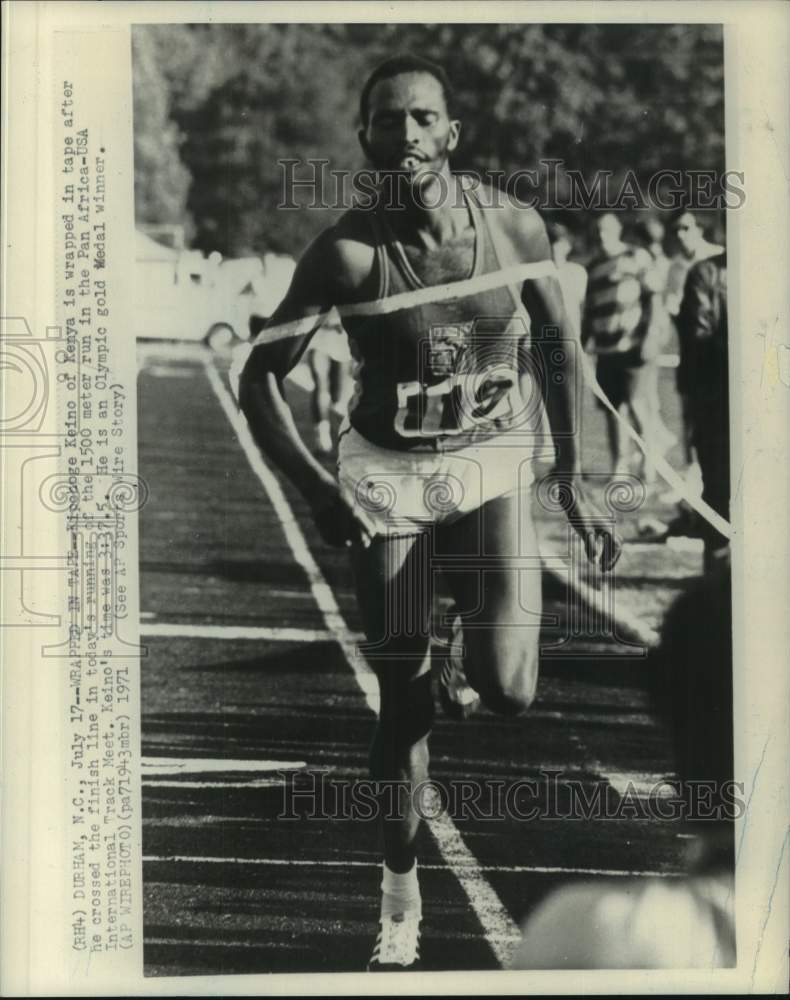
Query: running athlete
(435, 462)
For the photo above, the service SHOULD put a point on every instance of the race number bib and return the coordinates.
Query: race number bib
(459, 404)
(467, 381)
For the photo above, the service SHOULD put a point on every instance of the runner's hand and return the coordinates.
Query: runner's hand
(601, 543)
(335, 519)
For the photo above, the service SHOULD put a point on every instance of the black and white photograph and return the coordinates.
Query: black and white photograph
(394, 445)
(433, 409)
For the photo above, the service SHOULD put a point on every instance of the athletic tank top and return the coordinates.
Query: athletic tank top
(444, 375)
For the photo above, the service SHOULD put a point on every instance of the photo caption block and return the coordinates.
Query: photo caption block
(96, 494)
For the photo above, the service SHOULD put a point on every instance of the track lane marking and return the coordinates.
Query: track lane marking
(154, 783)
(642, 784)
(259, 632)
(320, 589)
(500, 930)
(211, 765)
(331, 863)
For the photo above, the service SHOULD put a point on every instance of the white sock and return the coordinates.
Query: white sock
(400, 893)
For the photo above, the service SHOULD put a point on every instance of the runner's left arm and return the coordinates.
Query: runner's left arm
(553, 346)
(555, 349)
(262, 397)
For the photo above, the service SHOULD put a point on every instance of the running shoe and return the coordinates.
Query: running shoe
(458, 698)
(397, 947)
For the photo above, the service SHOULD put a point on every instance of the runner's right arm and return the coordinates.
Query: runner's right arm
(262, 397)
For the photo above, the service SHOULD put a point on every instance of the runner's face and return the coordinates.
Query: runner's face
(409, 129)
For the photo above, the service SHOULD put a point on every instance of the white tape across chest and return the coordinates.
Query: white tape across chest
(511, 275)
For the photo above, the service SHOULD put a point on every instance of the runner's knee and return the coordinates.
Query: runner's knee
(509, 695)
(504, 672)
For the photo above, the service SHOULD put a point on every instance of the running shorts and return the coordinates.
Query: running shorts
(406, 493)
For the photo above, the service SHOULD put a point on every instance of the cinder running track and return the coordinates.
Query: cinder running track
(252, 689)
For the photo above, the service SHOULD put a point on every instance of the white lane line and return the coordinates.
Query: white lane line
(643, 785)
(260, 632)
(154, 783)
(501, 931)
(181, 821)
(169, 371)
(499, 928)
(613, 718)
(625, 787)
(213, 765)
(320, 589)
(190, 942)
(181, 350)
(454, 868)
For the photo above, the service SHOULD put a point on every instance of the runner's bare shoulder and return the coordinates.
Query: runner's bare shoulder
(336, 268)
(332, 270)
(524, 229)
(349, 260)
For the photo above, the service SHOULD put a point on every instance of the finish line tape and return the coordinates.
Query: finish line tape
(472, 286)
(409, 300)
(663, 467)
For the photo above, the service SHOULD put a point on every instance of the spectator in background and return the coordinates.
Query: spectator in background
(619, 327)
(651, 235)
(691, 246)
(703, 384)
(667, 923)
(572, 277)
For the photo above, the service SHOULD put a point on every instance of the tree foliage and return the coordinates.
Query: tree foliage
(226, 102)
(161, 179)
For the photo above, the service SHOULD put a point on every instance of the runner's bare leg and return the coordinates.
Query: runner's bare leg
(394, 592)
(500, 604)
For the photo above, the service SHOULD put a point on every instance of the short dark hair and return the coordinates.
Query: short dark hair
(681, 213)
(406, 63)
(644, 226)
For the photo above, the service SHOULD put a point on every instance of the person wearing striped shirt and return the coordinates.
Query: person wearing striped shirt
(620, 309)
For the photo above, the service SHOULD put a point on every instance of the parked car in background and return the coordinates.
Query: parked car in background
(183, 295)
